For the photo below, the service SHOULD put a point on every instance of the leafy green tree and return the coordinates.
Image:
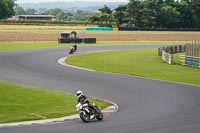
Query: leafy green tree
(148, 14)
(134, 11)
(69, 16)
(6, 8)
(147, 18)
(30, 11)
(196, 12)
(61, 16)
(160, 13)
(105, 10)
(19, 10)
(171, 3)
(170, 16)
(119, 14)
(54, 12)
(186, 19)
(80, 16)
(105, 15)
(2, 10)
(94, 17)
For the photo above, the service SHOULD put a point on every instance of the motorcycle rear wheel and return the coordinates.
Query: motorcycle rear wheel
(99, 116)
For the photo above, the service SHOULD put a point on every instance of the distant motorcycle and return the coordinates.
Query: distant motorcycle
(87, 114)
(73, 49)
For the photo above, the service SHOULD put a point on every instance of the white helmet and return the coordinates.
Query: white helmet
(79, 93)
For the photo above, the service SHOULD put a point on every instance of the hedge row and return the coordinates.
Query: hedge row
(9, 22)
(157, 29)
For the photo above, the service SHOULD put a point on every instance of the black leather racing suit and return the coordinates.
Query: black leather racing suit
(83, 100)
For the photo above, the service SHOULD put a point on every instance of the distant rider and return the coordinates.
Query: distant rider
(73, 49)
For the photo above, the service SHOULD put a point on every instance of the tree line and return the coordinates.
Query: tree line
(136, 13)
(153, 14)
(161, 13)
(79, 15)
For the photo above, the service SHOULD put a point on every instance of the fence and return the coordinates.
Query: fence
(192, 56)
(172, 49)
(167, 57)
(193, 49)
(167, 52)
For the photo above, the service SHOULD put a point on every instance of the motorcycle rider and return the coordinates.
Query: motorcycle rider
(83, 100)
(73, 49)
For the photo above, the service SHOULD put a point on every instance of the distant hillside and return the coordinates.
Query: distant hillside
(71, 6)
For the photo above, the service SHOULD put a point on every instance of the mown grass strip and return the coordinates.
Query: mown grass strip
(4, 46)
(141, 62)
(22, 103)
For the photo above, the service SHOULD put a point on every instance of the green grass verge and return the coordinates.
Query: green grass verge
(176, 58)
(22, 103)
(5, 46)
(141, 62)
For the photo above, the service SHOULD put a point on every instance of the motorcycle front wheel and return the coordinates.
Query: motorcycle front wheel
(84, 117)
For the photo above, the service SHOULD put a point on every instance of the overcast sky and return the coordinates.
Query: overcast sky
(39, 1)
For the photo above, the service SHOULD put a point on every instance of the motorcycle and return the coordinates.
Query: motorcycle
(87, 114)
(73, 49)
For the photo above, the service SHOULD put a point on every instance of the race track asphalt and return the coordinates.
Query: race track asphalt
(145, 105)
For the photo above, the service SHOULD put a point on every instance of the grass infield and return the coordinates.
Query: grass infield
(23, 103)
(140, 62)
